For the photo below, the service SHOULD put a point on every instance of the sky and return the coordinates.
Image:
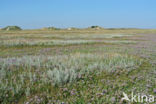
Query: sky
(32, 14)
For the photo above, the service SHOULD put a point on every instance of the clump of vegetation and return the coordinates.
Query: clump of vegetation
(19, 76)
(15, 28)
(57, 39)
(51, 28)
(95, 27)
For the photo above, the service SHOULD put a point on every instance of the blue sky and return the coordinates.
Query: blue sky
(31, 14)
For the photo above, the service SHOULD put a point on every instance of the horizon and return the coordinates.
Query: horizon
(77, 27)
(80, 14)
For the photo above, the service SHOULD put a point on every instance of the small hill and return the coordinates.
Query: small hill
(8, 28)
(50, 28)
(72, 28)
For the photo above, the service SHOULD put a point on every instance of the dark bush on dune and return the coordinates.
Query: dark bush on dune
(8, 28)
(95, 27)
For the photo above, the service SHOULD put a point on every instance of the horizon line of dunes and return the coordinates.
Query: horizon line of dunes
(15, 28)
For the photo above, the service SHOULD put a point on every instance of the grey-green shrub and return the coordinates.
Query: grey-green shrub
(65, 68)
(18, 74)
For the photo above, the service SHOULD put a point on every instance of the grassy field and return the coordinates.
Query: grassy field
(81, 66)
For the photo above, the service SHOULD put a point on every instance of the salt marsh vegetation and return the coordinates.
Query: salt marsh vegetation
(71, 67)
